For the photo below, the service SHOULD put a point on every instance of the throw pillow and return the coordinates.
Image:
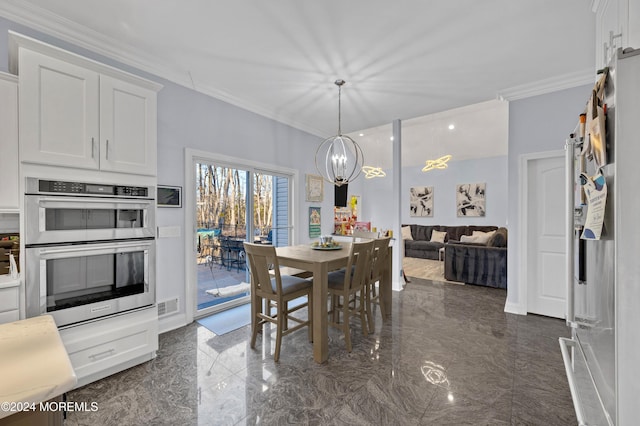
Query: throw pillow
(406, 233)
(438, 236)
(467, 239)
(482, 237)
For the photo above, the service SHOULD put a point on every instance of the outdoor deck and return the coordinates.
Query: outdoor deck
(215, 275)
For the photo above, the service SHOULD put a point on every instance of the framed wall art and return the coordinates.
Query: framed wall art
(471, 199)
(421, 201)
(315, 188)
(314, 222)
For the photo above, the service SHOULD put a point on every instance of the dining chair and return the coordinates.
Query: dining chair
(344, 286)
(359, 235)
(276, 290)
(379, 261)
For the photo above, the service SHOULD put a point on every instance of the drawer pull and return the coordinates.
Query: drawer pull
(102, 355)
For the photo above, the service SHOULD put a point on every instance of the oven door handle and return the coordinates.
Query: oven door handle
(114, 248)
(57, 202)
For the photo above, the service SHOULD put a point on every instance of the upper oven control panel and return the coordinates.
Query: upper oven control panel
(43, 186)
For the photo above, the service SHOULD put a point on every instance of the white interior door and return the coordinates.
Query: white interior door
(546, 290)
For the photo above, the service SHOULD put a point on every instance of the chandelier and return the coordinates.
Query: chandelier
(339, 158)
(440, 163)
(371, 172)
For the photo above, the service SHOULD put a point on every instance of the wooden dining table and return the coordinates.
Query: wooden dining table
(320, 263)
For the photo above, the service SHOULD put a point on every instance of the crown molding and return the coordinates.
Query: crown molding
(53, 25)
(549, 85)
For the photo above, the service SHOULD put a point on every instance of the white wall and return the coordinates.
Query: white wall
(187, 119)
(536, 124)
(492, 171)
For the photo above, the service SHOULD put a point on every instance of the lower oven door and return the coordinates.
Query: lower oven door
(76, 283)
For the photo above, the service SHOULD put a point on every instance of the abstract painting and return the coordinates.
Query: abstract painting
(471, 199)
(421, 201)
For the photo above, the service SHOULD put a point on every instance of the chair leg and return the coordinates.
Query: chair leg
(276, 355)
(285, 315)
(256, 307)
(345, 323)
(383, 311)
(363, 315)
(310, 313)
(257, 326)
(369, 304)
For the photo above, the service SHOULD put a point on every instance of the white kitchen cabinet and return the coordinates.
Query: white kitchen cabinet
(634, 24)
(617, 26)
(127, 127)
(9, 299)
(104, 347)
(79, 113)
(9, 199)
(608, 29)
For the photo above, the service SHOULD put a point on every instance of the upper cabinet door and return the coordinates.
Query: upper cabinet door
(127, 127)
(9, 198)
(58, 112)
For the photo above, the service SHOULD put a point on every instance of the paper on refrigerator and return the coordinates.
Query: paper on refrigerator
(595, 189)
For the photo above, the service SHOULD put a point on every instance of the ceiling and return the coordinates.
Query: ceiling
(401, 60)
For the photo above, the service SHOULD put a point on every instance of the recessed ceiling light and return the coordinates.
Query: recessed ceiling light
(391, 138)
(452, 126)
(361, 134)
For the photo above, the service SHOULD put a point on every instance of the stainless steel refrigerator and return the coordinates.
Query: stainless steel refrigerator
(602, 358)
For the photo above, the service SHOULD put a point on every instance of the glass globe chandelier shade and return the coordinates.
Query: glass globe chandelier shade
(339, 159)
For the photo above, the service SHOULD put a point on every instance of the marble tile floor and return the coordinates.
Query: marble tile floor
(449, 356)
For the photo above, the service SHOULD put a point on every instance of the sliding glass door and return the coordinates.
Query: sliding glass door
(225, 217)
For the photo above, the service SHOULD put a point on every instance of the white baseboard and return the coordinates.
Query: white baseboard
(172, 322)
(515, 308)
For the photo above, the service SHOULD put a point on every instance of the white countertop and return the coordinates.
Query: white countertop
(34, 365)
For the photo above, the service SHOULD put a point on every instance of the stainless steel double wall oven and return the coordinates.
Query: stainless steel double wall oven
(90, 249)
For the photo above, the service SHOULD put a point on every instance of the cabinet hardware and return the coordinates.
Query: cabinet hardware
(101, 355)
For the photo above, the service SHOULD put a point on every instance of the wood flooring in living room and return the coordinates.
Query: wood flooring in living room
(426, 269)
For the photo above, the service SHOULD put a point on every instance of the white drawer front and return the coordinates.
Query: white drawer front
(8, 299)
(111, 349)
(9, 316)
(99, 346)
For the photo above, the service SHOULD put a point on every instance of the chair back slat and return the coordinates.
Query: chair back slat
(359, 264)
(366, 235)
(380, 256)
(261, 257)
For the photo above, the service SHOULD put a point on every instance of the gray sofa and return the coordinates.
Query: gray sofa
(421, 246)
(479, 264)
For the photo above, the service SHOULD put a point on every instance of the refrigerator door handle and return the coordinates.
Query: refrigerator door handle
(569, 362)
(568, 366)
(570, 161)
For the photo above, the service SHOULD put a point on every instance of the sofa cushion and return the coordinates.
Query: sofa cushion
(406, 233)
(481, 237)
(499, 239)
(466, 242)
(453, 232)
(437, 236)
(421, 232)
(469, 239)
